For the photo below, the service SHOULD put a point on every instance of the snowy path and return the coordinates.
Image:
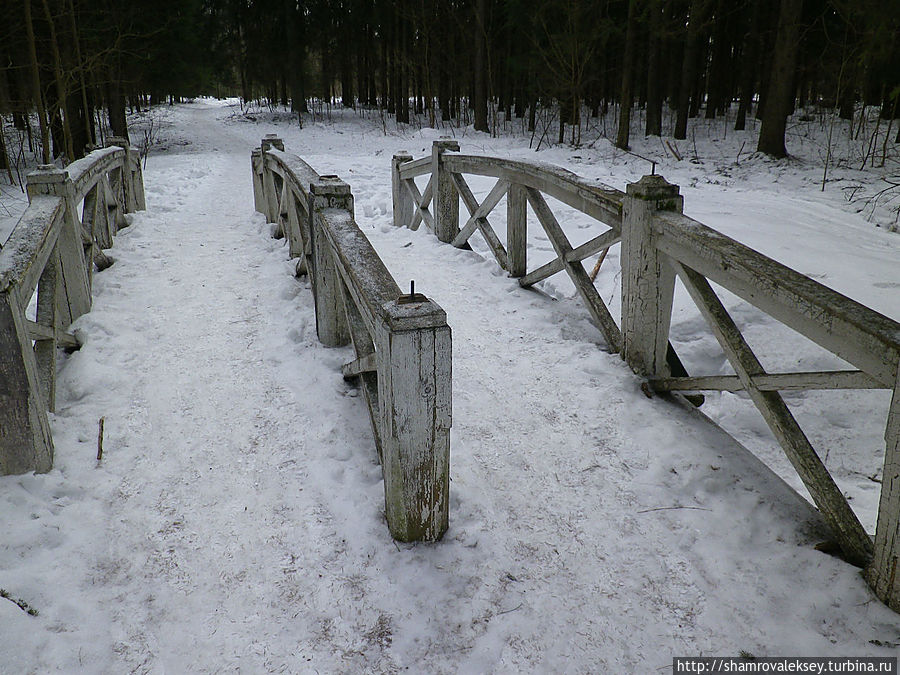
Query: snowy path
(235, 523)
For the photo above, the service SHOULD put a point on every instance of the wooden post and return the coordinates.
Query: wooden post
(414, 385)
(882, 573)
(259, 198)
(402, 200)
(446, 198)
(329, 192)
(132, 177)
(648, 281)
(25, 441)
(269, 190)
(45, 349)
(48, 180)
(516, 230)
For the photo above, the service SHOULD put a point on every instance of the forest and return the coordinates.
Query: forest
(70, 70)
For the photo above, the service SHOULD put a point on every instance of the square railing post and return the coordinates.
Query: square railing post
(446, 198)
(516, 230)
(271, 210)
(413, 344)
(648, 280)
(402, 200)
(256, 168)
(329, 192)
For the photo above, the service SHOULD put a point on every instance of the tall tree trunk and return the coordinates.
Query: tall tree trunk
(36, 85)
(780, 96)
(626, 93)
(688, 69)
(654, 83)
(60, 83)
(480, 93)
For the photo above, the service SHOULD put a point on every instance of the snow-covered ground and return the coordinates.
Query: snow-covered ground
(235, 523)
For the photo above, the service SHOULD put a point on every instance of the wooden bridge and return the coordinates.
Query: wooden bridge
(402, 342)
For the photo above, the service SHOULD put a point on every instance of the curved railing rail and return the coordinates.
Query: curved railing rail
(658, 242)
(402, 342)
(73, 214)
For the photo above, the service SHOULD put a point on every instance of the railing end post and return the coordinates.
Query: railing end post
(414, 345)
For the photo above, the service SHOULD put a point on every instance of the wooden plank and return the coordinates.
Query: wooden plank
(422, 206)
(583, 285)
(419, 213)
(595, 199)
(415, 168)
(859, 335)
(586, 250)
(882, 573)
(363, 364)
(852, 538)
(38, 332)
(30, 244)
(478, 217)
(368, 280)
(45, 349)
(816, 381)
(25, 441)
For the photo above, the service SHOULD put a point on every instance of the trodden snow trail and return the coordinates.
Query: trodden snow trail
(236, 522)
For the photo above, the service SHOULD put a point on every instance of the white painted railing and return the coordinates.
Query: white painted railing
(402, 342)
(73, 214)
(658, 243)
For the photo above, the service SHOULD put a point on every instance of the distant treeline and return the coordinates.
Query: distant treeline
(447, 59)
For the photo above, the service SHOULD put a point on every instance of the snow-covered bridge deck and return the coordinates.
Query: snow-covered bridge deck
(235, 523)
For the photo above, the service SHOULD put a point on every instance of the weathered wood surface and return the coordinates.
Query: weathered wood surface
(414, 393)
(586, 250)
(852, 538)
(478, 217)
(368, 280)
(415, 168)
(25, 441)
(595, 305)
(400, 197)
(859, 335)
(882, 573)
(420, 206)
(824, 380)
(85, 172)
(332, 194)
(648, 280)
(595, 199)
(517, 231)
(30, 244)
(446, 198)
